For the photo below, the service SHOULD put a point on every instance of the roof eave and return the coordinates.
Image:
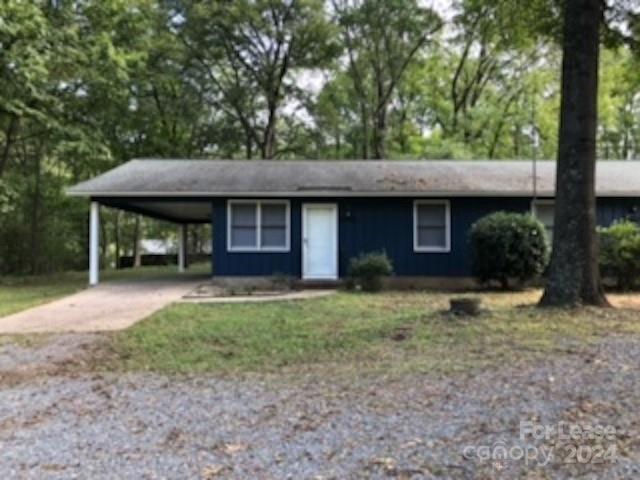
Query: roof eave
(333, 193)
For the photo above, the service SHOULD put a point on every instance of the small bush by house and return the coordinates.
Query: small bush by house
(367, 270)
(620, 253)
(508, 246)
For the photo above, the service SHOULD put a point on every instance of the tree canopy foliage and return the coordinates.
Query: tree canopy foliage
(89, 84)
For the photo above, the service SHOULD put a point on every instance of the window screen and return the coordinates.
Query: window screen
(273, 227)
(431, 226)
(258, 225)
(244, 222)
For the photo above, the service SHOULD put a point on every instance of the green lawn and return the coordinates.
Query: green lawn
(350, 331)
(20, 293)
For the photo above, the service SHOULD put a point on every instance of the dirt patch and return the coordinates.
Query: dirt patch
(271, 286)
(256, 296)
(625, 300)
(51, 355)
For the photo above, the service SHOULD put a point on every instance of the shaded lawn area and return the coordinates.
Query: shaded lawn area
(390, 332)
(21, 292)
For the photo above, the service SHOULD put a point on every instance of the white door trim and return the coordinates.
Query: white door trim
(305, 207)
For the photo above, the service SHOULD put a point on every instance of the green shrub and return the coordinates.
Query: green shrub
(620, 253)
(367, 270)
(508, 246)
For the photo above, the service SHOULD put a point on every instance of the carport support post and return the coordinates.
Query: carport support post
(182, 248)
(94, 243)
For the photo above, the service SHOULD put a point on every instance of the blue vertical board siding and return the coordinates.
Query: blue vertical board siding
(387, 224)
(254, 263)
(611, 209)
(374, 224)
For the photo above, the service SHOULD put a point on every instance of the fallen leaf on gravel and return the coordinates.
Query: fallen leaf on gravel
(231, 448)
(586, 406)
(388, 463)
(174, 437)
(212, 471)
(412, 443)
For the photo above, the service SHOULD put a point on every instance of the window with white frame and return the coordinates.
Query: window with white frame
(544, 210)
(258, 225)
(431, 226)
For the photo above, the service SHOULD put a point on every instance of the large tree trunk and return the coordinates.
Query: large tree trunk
(269, 141)
(380, 123)
(8, 142)
(380, 133)
(248, 147)
(364, 120)
(574, 277)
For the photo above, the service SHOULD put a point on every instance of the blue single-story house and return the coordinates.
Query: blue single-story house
(309, 218)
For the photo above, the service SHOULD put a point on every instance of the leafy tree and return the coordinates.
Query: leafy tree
(248, 52)
(87, 85)
(619, 105)
(381, 39)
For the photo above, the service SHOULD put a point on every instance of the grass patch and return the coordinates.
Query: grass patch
(21, 292)
(390, 331)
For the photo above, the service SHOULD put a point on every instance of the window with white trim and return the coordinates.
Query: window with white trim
(544, 210)
(258, 225)
(431, 226)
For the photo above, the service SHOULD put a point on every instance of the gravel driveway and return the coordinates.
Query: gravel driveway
(148, 426)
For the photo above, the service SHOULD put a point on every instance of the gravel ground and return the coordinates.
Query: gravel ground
(63, 425)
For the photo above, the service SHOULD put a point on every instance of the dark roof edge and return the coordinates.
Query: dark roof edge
(331, 194)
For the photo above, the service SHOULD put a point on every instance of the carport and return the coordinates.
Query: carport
(181, 211)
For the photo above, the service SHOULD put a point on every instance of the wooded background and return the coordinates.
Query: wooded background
(88, 84)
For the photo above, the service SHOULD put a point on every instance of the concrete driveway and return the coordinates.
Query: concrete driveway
(109, 306)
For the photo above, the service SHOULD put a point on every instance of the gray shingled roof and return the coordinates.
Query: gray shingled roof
(181, 178)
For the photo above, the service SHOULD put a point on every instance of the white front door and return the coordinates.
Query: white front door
(320, 241)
